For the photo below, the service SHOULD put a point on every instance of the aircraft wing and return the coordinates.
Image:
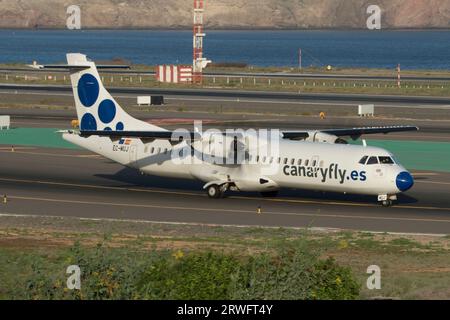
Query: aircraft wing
(161, 135)
(353, 133)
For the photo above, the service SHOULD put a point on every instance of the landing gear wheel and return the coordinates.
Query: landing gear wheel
(214, 191)
(269, 194)
(387, 203)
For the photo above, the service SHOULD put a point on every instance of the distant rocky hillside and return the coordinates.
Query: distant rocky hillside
(223, 14)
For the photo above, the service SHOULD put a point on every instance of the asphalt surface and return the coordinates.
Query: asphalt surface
(240, 94)
(59, 182)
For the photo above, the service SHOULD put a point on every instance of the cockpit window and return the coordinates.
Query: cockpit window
(373, 160)
(386, 160)
(363, 160)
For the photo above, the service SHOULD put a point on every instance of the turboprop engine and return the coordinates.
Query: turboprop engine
(318, 136)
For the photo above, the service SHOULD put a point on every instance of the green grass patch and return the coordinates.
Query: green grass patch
(295, 272)
(417, 155)
(38, 137)
(127, 260)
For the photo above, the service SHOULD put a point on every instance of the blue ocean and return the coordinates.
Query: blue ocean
(380, 49)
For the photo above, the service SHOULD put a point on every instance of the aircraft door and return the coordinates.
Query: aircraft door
(133, 155)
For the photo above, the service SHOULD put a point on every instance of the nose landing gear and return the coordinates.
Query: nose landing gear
(387, 203)
(387, 200)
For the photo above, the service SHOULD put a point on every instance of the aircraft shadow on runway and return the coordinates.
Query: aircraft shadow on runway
(130, 176)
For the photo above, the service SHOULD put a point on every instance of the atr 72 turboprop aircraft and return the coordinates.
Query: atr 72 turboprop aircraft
(310, 160)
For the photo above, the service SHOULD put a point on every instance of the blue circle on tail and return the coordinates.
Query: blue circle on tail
(88, 123)
(88, 90)
(107, 111)
(119, 126)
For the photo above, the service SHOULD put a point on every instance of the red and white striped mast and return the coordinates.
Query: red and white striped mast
(199, 61)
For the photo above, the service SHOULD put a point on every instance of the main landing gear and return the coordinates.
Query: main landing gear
(215, 191)
(387, 200)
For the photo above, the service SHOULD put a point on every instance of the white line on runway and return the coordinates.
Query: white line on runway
(206, 210)
(443, 107)
(169, 97)
(316, 229)
(274, 200)
(434, 182)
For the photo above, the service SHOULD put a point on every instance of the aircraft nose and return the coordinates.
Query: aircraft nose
(404, 181)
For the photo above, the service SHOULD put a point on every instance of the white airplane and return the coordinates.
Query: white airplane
(305, 160)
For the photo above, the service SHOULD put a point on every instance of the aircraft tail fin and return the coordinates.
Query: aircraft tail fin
(96, 108)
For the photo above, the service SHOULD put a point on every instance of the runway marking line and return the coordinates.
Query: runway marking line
(100, 187)
(16, 148)
(208, 210)
(335, 203)
(419, 174)
(40, 124)
(434, 182)
(245, 100)
(317, 229)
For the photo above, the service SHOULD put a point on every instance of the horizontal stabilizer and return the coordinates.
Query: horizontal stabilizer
(76, 67)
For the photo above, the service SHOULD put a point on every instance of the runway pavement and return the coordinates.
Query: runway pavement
(60, 182)
(243, 94)
(246, 108)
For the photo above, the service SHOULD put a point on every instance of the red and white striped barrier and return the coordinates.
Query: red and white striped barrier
(174, 74)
